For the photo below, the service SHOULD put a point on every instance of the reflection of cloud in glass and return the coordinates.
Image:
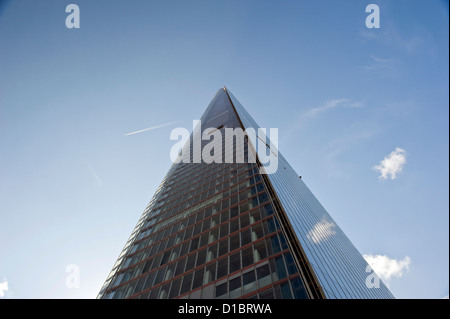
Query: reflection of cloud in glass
(387, 267)
(321, 231)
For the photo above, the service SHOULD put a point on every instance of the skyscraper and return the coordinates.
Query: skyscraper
(238, 226)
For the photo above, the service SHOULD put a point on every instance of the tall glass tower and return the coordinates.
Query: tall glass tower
(237, 228)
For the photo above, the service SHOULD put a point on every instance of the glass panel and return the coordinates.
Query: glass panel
(263, 275)
(298, 289)
(210, 274)
(235, 288)
(221, 291)
(222, 267)
(198, 278)
(249, 282)
(235, 262)
(175, 288)
(186, 286)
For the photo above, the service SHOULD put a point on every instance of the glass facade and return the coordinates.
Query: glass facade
(210, 231)
(224, 230)
(341, 270)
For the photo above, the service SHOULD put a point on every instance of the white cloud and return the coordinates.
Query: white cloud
(321, 231)
(391, 165)
(380, 63)
(386, 267)
(386, 67)
(3, 288)
(333, 104)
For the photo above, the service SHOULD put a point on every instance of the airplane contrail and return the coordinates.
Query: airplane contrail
(152, 128)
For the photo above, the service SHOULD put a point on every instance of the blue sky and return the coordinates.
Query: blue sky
(344, 97)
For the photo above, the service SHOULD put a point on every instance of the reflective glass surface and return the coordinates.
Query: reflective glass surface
(340, 268)
(218, 230)
(210, 231)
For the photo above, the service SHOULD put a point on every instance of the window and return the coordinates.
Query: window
(194, 243)
(257, 232)
(281, 270)
(234, 242)
(235, 262)
(275, 244)
(292, 269)
(169, 272)
(249, 282)
(159, 276)
(223, 247)
(174, 289)
(234, 225)
(246, 237)
(212, 253)
(186, 285)
(198, 279)
(263, 275)
(149, 281)
(180, 267)
(247, 257)
(204, 239)
(224, 230)
(165, 258)
(286, 291)
(222, 267)
(224, 216)
(201, 257)
(259, 252)
(235, 288)
(190, 262)
(221, 290)
(210, 274)
(266, 294)
(298, 289)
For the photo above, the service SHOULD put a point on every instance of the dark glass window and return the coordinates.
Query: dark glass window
(180, 267)
(190, 262)
(263, 275)
(235, 262)
(247, 257)
(198, 278)
(175, 288)
(223, 247)
(210, 273)
(235, 287)
(249, 281)
(266, 294)
(221, 290)
(286, 291)
(222, 267)
(298, 289)
(281, 270)
(234, 242)
(186, 285)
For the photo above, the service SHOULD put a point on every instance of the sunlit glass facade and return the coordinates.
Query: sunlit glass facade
(225, 231)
